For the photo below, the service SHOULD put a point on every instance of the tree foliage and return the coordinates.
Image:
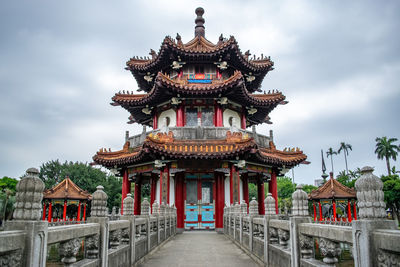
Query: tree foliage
(330, 153)
(385, 149)
(391, 189)
(84, 176)
(348, 179)
(8, 183)
(345, 148)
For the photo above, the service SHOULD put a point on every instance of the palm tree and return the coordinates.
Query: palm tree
(345, 147)
(331, 152)
(385, 148)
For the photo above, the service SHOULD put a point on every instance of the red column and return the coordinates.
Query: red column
(155, 121)
(168, 188)
(231, 184)
(44, 211)
(261, 194)
(137, 196)
(84, 211)
(243, 120)
(78, 217)
(315, 212)
(65, 210)
(126, 188)
(320, 210)
(220, 200)
(245, 190)
(218, 116)
(355, 210)
(152, 192)
(179, 201)
(179, 117)
(334, 209)
(273, 189)
(349, 211)
(50, 213)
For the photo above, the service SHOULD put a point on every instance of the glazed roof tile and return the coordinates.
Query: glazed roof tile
(66, 190)
(333, 189)
(165, 145)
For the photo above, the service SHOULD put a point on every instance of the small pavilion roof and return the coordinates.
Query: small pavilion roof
(66, 190)
(333, 189)
(162, 144)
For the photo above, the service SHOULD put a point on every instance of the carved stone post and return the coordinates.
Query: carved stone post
(27, 217)
(145, 212)
(145, 209)
(128, 235)
(300, 245)
(253, 211)
(99, 215)
(371, 216)
(270, 234)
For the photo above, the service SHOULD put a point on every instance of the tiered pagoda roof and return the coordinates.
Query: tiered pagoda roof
(66, 190)
(333, 189)
(165, 145)
(199, 49)
(165, 88)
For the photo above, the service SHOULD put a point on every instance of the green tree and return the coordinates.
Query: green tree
(308, 188)
(391, 189)
(7, 196)
(252, 191)
(330, 153)
(345, 148)
(349, 179)
(84, 176)
(385, 149)
(8, 183)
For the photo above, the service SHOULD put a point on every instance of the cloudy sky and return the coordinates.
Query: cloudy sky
(338, 63)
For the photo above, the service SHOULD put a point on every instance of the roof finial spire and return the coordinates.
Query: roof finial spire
(199, 30)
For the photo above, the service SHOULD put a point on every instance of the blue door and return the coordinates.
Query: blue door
(199, 203)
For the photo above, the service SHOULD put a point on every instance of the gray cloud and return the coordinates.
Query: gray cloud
(337, 64)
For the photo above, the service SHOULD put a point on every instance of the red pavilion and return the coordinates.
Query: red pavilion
(199, 98)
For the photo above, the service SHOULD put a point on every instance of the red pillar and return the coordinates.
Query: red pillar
(152, 192)
(218, 116)
(273, 189)
(349, 211)
(78, 217)
(179, 201)
(231, 185)
(65, 210)
(245, 190)
(220, 200)
(261, 195)
(320, 210)
(84, 211)
(44, 211)
(334, 209)
(355, 210)
(155, 121)
(137, 196)
(243, 120)
(315, 212)
(50, 213)
(126, 188)
(179, 117)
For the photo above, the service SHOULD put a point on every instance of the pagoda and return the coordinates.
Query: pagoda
(199, 98)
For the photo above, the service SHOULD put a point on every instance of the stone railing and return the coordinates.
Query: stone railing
(370, 241)
(27, 240)
(202, 132)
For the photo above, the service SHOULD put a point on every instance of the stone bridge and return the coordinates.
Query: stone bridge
(248, 239)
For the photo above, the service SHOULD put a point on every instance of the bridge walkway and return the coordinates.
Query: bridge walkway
(199, 248)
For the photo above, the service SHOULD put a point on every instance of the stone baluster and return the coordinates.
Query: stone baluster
(283, 237)
(129, 204)
(27, 218)
(330, 250)
(115, 237)
(68, 250)
(145, 208)
(371, 216)
(243, 208)
(269, 205)
(125, 236)
(156, 208)
(253, 207)
(99, 215)
(162, 209)
(273, 233)
(302, 246)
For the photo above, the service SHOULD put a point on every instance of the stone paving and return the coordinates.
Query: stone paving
(199, 248)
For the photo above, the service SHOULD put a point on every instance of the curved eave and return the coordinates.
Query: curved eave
(203, 50)
(280, 158)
